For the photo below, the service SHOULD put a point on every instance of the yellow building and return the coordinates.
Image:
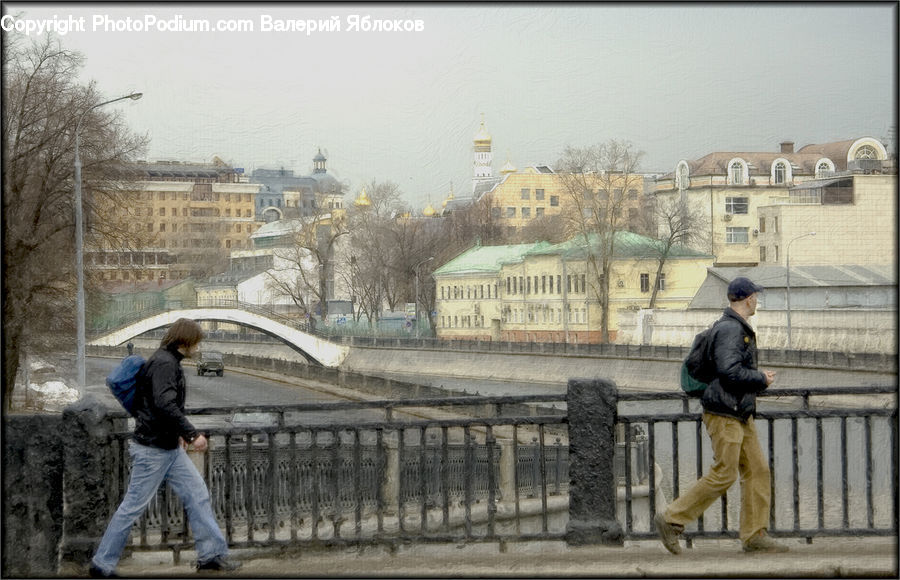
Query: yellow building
(730, 188)
(188, 213)
(853, 217)
(545, 292)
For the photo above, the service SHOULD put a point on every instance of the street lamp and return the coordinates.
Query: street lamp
(79, 241)
(788, 289)
(416, 269)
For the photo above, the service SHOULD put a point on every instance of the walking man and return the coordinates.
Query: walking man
(729, 404)
(161, 434)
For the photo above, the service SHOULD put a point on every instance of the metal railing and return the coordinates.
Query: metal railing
(829, 475)
(289, 476)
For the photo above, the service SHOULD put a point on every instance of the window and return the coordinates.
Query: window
(538, 212)
(174, 212)
(558, 284)
(510, 212)
(551, 283)
(737, 173)
(824, 168)
(632, 213)
(866, 152)
(662, 282)
(543, 284)
(632, 194)
(762, 225)
(775, 228)
(736, 205)
(762, 253)
(588, 195)
(539, 194)
(780, 173)
(162, 227)
(495, 213)
(737, 236)
(526, 212)
(569, 283)
(528, 284)
(162, 211)
(775, 257)
(645, 282)
(554, 200)
(526, 194)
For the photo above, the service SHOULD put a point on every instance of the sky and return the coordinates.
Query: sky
(678, 81)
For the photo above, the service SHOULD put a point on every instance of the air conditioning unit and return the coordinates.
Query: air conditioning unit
(727, 217)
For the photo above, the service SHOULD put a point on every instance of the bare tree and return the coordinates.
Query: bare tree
(42, 104)
(678, 224)
(595, 179)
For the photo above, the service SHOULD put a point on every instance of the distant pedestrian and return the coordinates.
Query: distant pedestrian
(729, 404)
(130, 347)
(161, 434)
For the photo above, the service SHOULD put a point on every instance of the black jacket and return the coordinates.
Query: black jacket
(733, 392)
(159, 402)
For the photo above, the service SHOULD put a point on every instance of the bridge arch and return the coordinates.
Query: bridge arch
(315, 349)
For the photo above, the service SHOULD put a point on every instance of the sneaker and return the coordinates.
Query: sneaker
(218, 564)
(95, 572)
(668, 533)
(763, 542)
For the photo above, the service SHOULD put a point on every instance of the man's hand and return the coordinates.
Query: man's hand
(200, 443)
(770, 377)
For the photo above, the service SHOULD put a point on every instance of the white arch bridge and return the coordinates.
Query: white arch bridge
(293, 334)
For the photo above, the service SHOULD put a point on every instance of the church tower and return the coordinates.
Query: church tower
(483, 157)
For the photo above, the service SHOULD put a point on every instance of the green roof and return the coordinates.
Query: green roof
(627, 245)
(488, 258)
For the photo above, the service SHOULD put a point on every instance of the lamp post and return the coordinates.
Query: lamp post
(788, 288)
(416, 269)
(79, 242)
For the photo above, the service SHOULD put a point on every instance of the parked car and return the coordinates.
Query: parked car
(211, 362)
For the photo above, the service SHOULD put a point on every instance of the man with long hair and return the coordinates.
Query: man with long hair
(161, 434)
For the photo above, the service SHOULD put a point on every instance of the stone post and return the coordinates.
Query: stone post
(507, 470)
(390, 487)
(592, 412)
(32, 495)
(88, 482)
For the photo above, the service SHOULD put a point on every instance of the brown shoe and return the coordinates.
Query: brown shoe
(763, 542)
(668, 533)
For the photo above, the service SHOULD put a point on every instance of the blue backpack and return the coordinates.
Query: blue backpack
(122, 381)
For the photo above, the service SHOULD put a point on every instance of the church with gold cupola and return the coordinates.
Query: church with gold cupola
(483, 179)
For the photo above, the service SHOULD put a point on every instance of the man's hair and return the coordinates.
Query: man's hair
(184, 332)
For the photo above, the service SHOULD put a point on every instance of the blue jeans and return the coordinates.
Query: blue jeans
(150, 467)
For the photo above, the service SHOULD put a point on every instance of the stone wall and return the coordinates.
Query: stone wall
(856, 331)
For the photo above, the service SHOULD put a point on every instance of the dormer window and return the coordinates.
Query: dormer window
(738, 172)
(824, 168)
(781, 172)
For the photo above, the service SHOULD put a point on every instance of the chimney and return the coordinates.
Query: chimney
(787, 146)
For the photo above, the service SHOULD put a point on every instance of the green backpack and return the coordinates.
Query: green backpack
(699, 367)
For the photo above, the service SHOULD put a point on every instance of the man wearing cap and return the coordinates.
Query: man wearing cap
(729, 404)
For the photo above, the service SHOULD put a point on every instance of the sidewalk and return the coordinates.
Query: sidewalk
(826, 557)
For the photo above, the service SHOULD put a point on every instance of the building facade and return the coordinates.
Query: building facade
(543, 292)
(729, 188)
(188, 213)
(285, 195)
(854, 218)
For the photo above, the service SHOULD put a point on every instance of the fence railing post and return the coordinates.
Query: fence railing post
(592, 413)
(390, 487)
(507, 470)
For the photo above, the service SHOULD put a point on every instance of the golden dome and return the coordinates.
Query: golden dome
(429, 211)
(449, 197)
(508, 168)
(363, 199)
(482, 136)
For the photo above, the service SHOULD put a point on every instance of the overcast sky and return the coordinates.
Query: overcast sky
(678, 81)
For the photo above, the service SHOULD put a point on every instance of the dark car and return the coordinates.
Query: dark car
(211, 362)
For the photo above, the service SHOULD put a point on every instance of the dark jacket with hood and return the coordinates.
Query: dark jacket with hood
(733, 392)
(159, 401)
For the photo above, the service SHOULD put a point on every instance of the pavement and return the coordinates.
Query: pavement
(825, 557)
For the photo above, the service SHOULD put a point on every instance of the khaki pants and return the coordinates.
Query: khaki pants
(736, 451)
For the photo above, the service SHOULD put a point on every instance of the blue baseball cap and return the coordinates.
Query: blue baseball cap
(741, 288)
